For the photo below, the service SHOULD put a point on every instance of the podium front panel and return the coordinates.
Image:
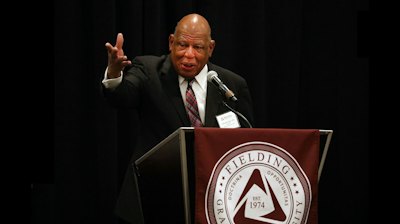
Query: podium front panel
(176, 178)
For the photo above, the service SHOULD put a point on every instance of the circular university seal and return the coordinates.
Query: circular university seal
(257, 182)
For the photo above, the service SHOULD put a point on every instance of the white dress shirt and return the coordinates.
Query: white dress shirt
(200, 90)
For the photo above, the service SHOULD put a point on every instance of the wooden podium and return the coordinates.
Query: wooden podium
(169, 188)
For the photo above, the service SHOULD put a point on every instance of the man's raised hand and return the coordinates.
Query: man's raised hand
(117, 60)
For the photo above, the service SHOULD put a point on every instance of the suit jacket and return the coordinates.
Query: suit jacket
(151, 86)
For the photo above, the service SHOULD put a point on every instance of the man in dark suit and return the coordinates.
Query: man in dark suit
(156, 86)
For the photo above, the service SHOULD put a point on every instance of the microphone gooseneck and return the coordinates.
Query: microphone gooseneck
(212, 76)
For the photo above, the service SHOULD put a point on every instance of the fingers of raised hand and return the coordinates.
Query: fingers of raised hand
(120, 41)
(120, 61)
(123, 60)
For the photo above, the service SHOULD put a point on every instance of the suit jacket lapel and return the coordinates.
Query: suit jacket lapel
(169, 81)
(213, 102)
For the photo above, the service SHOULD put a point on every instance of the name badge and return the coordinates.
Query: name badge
(228, 120)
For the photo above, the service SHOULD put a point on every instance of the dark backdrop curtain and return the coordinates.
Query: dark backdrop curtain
(300, 58)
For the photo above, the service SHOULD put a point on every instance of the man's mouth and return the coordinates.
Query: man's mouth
(187, 66)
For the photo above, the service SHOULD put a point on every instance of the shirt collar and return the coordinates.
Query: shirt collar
(201, 78)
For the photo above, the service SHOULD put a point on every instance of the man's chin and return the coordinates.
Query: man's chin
(187, 74)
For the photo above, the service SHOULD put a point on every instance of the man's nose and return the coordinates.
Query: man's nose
(189, 52)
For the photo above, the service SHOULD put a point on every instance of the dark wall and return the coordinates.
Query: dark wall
(302, 62)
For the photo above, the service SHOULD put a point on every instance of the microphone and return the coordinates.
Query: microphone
(212, 76)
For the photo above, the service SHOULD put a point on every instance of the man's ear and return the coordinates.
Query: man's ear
(171, 41)
(211, 47)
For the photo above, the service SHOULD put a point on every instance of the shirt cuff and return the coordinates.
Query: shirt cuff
(111, 83)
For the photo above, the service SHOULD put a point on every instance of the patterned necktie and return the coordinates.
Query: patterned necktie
(191, 106)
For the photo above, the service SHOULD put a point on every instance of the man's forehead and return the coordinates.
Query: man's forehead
(191, 37)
